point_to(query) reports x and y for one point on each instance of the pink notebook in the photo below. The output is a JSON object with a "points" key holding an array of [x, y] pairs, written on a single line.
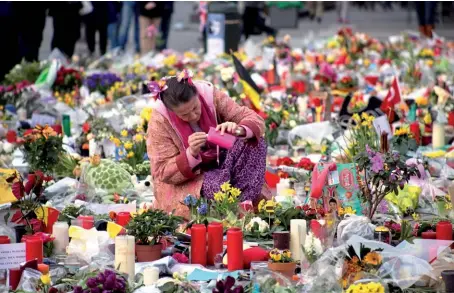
{"points": [[225, 141]]}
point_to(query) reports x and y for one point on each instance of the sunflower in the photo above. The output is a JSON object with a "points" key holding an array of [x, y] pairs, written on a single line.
{"points": [[373, 258]]}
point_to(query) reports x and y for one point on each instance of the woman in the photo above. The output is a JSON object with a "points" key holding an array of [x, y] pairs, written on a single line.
{"points": [[149, 22], [183, 162], [66, 23]]}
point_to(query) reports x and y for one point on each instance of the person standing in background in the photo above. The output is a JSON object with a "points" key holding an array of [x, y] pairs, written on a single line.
{"points": [[10, 42], [426, 17], [149, 21], [97, 21], [253, 21], [32, 15], [165, 24], [113, 20], [129, 14], [342, 10], [315, 10], [66, 23]]}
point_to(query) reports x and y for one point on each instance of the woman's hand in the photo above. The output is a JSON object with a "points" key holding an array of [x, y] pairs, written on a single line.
{"points": [[229, 127], [196, 141]]}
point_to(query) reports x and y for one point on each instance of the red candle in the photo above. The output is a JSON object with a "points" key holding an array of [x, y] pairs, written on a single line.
{"points": [[4, 239], [416, 131], [199, 244], [429, 235], [316, 228], [215, 246], [88, 222], [234, 249], [52, 217], [34, 249], [444, 230], [14, 277], [123, 218]]}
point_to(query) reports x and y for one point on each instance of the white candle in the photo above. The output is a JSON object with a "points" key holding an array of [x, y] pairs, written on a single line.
{"points": [[282, 186], [438, 135], [150, 275], [297, 237], [125, 258], [60, 232]]}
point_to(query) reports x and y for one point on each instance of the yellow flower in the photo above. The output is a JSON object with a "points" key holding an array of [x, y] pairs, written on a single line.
{"points": [[45, 279], [285, 114], [172, 72], [356, 117], [231, 199], [235, 192], [116, 141], [373, 258], [323, 149], [170, 60], [365, 116], [402, 131], [124, 133], [226, 186], [276, 222], [422, 101], [448, 206], [219, 196], [139, 137], [277, 257], [128, 145], [427, 118], [287, 253], [415, 216], [130, 154], [145, 114]]}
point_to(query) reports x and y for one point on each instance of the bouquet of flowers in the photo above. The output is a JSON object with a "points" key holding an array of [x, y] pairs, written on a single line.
{"points": [[357, 103], [97, 128], [12, 93], [257, 229], [42, 148], [225, 201], [101, 82], [66, 86], [312, 248], [362, 134], [347, 83], [24, 71], [367, 261], [132, 152], [121, 89], [103, 281]]}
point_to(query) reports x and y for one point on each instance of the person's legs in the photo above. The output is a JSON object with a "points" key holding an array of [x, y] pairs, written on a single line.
{"points": [[136, 28], [244, 166], [127, 15], [90, 32], [344, 11], [311, 9], [102, 29], [165, 27], [146, 43], [112, 36], [429, 8], [420, 11]]}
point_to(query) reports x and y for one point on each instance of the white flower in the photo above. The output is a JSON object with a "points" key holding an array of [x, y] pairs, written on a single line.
{"points": [[263, 226], [313, 245], [227, 73], [132, 121], [292, 123], [8, 147]]}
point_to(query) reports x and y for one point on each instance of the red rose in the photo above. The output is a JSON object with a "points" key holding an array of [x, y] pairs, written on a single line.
{"points": [[11, 136], [273, 126], [37, 225], [282, 174], [9, 88], [86, 127], [306, 207], [286, 161]]}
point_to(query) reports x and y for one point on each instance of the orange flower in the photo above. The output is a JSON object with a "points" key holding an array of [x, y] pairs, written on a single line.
{"points": [[373, 258], [112, 215], [48, 131], [355, 259]]}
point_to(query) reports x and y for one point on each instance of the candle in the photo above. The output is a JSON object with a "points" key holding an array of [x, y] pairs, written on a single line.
{"points": [[199, 244], [416, 131], [429, 235], [43, 268], [4, 239], [438, 135], [297, 237], [125, 258], [215, 239], [444, 230], [123, 218], [60, 232], [52, 218], [282, 186], [234, 249], [88, 222], [14, 277], [34, 249], [150, 275], [281, 240]]}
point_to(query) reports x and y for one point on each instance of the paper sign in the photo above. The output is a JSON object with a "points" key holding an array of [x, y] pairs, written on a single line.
{"points": [[42, 119], [12, 255], [381, 125], [215, 30], [333, 178]]}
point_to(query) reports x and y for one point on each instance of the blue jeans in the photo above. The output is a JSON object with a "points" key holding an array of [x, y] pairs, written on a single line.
{"points": [[426, 12], [129, 14], [112, 35]]}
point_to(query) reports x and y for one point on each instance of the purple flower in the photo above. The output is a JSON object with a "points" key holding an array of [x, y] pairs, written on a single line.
{"points": [[383, 207], [377, 163], [396, 155], [393, 177], [78, 289], [101, 278], [202, 209], [95, 290], [109, 284], [92, 282], [369, 151]]}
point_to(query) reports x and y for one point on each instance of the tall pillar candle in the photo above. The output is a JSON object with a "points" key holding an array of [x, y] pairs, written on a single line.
{"points": [[438, 135], [150, 275], [444, 230], [14, 277], [215, 239], [60, 232], [199, 244], [125, 259], [297, 237], [234, 249], [34, 249]]}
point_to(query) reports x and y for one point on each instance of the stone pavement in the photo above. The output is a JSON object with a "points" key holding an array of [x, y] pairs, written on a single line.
{"points": [[185, 35]]}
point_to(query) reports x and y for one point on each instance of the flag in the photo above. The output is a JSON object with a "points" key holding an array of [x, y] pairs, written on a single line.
{"points": [[392, 98], [113, 229], [250, 88]]}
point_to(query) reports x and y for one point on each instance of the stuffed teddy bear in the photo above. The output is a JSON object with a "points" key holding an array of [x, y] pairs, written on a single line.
{"points": [[144, 188]]}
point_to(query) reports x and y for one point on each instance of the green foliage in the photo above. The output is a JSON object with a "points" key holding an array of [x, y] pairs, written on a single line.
{"points": [[28, 71], [149, 227]]}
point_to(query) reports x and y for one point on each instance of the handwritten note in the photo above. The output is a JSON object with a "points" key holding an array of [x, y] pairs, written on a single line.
{"points": [[12, 255]]}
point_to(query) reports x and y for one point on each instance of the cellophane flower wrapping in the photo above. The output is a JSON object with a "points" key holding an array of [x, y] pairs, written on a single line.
{"points": [[29, 280], [355, 225]]}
